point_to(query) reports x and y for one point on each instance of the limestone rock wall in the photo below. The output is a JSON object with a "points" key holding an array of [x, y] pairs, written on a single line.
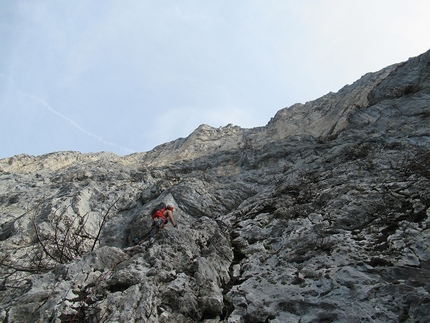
{"points": [[320, 216]]}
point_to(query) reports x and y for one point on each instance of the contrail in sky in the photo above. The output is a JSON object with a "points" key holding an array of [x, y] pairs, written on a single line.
{"points": [[74, 124], [70, 121]]}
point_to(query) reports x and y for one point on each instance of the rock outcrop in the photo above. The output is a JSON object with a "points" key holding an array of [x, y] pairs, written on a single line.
{"points": [[320, 216]]}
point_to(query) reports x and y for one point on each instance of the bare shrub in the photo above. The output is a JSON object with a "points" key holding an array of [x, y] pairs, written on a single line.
{"points": [[414, 160], [357, 151], [59, 239]]}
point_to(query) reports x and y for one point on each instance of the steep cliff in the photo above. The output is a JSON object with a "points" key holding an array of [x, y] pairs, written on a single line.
{"points": [[320, 216]]}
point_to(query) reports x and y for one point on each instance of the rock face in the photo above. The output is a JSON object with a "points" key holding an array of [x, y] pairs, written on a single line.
{"points": [[320, 216]]}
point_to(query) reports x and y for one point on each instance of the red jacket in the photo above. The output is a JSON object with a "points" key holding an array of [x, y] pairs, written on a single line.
{"points": [[159, 214]]}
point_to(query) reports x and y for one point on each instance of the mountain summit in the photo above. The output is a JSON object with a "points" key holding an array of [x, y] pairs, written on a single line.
{"points": [[322, 215]]}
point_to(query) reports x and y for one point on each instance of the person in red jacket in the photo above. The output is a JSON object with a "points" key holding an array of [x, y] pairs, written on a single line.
{"points": [[161, 215]]}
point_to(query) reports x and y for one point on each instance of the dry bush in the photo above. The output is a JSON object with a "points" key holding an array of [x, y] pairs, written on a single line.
{"points": [[59, 239]]}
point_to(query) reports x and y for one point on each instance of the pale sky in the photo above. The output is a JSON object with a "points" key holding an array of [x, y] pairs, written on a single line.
{"points": [[125, 76]]}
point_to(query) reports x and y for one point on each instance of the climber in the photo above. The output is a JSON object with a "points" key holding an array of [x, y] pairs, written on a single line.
{"points": [[161, 215]]}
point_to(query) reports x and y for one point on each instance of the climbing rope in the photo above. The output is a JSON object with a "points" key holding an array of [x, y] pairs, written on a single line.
{"points": [[216, 248]]}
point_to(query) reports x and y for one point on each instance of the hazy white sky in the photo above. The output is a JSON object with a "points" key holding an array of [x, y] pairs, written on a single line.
{"points": [[125, 76]]}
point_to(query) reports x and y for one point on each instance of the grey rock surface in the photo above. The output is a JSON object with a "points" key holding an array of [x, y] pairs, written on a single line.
{"points": [[320, 216]]}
